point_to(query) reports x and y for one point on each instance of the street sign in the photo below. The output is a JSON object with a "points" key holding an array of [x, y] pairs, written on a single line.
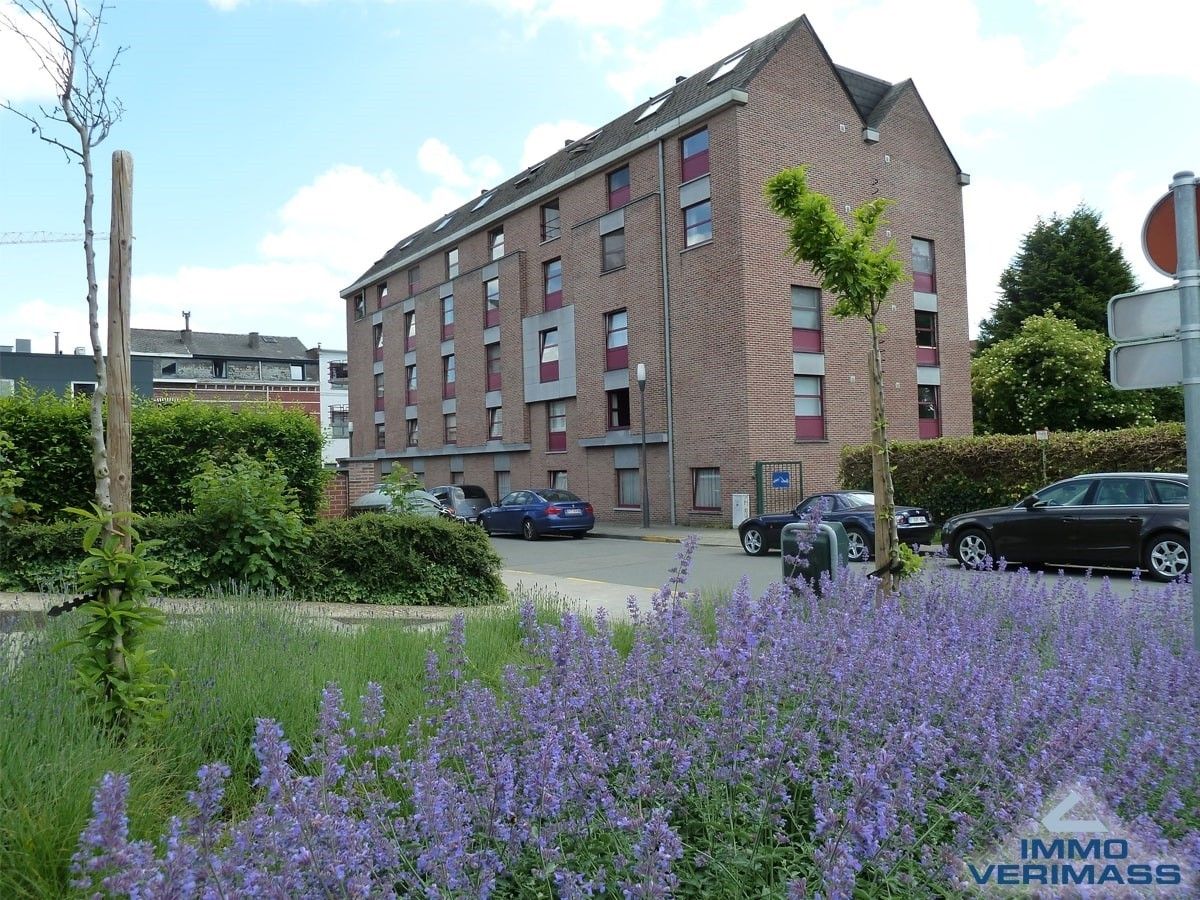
{"points": [[1147, 364], [1158, 235], [1144, 314], [781, 479]]}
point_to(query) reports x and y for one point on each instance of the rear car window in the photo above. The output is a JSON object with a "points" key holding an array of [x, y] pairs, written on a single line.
{"points": [[1171, 492], [474, 492], [556, 496]]}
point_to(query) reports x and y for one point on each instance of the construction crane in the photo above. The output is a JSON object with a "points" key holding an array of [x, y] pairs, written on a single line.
{"points": [[46, 237]]}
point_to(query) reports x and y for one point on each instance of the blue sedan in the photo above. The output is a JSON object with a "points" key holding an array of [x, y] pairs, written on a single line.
{"points": [[532, 514]]}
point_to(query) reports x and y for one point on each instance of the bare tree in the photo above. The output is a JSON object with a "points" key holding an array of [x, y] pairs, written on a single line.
{"points": [[64, 36]]}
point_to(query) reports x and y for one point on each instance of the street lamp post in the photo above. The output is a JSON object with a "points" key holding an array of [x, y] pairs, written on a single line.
{"points": [[641, 380]]}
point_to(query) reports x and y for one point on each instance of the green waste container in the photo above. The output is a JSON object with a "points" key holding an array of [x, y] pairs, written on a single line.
{"points": [[830, 551]]}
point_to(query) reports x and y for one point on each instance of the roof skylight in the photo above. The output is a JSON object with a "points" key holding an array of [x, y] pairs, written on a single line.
{"points": [[442, 224], [409, 241], [654, 105], [529, 173], [728, 65], [583, 143], [483, 201]]}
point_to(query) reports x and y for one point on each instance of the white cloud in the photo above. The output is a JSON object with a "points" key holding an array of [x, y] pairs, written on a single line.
{"points": [[438, 160], [22, 78], [548, 138]]}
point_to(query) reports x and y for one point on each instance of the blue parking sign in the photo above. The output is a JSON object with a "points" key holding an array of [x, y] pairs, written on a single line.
{"points": [[781, 479]]}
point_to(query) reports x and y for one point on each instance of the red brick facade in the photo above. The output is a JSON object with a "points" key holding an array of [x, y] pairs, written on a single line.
{"points": [[732, 361]]}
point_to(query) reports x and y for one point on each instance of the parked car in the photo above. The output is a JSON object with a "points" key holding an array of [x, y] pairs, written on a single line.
{"points": [[535, 513], [468, 500], [1107, 520], [420, 503], [854, 509]]}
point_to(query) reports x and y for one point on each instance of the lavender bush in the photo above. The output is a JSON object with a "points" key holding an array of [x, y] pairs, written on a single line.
{"points": [[804, 746]]}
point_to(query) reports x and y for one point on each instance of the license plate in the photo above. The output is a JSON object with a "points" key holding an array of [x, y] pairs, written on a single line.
{"points": [[574, 512], [916, 520]]}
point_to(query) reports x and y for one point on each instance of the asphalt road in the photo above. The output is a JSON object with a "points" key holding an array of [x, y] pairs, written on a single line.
{"points": [[646, 564]]}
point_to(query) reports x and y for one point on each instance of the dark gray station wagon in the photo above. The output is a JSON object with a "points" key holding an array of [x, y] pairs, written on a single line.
{"points": [[1119, 520]]}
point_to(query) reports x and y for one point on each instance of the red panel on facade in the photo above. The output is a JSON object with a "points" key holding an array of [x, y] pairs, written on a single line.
{"points": [[810, 428], [695, 166], [924, 282], [616, 358], [558, 440], [491, 319], [554, 300], [806, 340], [929, 428], [927, 356], [493, 381], [619, 197], [549, 371]]}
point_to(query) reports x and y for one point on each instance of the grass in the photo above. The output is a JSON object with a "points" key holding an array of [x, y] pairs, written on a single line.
{"points": [[235, 662]]}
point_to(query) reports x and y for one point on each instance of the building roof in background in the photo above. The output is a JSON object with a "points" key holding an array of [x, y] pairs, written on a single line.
{"points": [[163, 342]]}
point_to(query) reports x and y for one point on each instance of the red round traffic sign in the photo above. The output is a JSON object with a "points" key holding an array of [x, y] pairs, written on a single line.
{"points": [[1158, 235]]}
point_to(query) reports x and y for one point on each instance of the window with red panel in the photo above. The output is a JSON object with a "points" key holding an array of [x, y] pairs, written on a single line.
{"points": [[410, 385], [924, 279], [616, 340], [548, 354], [929, 411], [493, 367], [491, 302], [377, 340], [693, 152], [806, 319], [927, 348], [447, 317], [448, 377], [410, 331], [618, 187], [556, 425], [552, 284], [810, 415]]}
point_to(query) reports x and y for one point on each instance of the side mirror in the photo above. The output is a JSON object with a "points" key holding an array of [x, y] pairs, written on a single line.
{"points": [[1032, 502]]}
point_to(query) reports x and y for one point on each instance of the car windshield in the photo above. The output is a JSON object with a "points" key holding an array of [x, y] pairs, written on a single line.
{"points": [[859, 498], [474, 492], [556, 496]]}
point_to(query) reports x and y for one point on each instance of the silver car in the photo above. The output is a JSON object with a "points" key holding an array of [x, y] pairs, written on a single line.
{"points": [[419, 503]]}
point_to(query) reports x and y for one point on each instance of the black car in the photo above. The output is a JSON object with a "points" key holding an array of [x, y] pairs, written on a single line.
{"points": [[854, 509], [468, 500], [1119, 520]]}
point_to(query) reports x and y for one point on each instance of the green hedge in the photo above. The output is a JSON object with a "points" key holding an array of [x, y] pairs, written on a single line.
{"points": [[170, 441], [373, 558], [954, 475]]}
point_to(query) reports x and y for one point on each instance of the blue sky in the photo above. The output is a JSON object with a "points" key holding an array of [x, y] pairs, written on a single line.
{"points": [[281, 146]]}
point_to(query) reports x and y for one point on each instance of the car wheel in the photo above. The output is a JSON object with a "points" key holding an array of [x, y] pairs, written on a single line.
{"points": [[973, 548], [1167, 557], [859, 545], [528, 531], [754, 542]]}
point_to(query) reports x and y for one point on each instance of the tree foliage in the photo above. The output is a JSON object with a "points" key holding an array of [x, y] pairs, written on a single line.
{"points": [[1067, 266], [1051, 375]]}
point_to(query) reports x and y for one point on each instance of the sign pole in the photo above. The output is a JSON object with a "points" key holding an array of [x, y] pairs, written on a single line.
{"points": [[1188, 273]]}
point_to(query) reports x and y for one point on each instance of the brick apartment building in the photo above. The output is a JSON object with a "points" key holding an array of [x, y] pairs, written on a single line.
{"points": [[499, 345]]}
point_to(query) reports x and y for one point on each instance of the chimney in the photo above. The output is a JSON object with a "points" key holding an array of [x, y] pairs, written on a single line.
{"points": [[679, 78], [56, 350], [254, 340], [568, 142], [186, 334], [24, 345]]}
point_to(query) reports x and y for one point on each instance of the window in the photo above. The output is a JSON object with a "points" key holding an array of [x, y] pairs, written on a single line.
{"points": [[1170, 492], [450, 428], [491, 303], [810, 417], [551, 221], [414, 280], [557, 479], [503, 485], [693, 153], [618, 409], [410, 331], [452, 263], [496, 423], [922, 264], [458, 478], [927, 353], [339, 373], [618, 187], [548, 354], [653, 106], [83, 388], [410, 385], [377, 340], [297, 372], [442, 224], [483, 201], [806, 320], [1068, 493], [381, 295], [380, 436], [629, 489], [697, 223], [612, 250], [492, 352], [929, 411], [706, 489], [556, 425], [496, 242], [727, 66], [552, 283], [412, 434], [447, 317], [169, 369], [448, 377], [616, 340], [378, 391], [1121, 492], [339, 422], [218, 368], [360, 305]]}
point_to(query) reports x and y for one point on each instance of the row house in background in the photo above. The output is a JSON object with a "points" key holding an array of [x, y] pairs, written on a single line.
{"points": [[334, 372], [499, 344], [229, 369]]}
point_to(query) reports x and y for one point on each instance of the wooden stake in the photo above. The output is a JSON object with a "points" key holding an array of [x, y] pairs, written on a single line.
{"points": [[120, 271]]}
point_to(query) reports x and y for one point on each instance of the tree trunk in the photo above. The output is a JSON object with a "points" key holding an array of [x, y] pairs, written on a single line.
{"points": [[99, 452], [887, 539]]}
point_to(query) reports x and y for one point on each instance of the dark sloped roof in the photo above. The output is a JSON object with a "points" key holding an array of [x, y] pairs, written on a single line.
{"points": [[684, 96], [208, 343], [865, 90]]}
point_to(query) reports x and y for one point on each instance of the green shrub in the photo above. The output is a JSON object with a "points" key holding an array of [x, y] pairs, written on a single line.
{"points": [[953, 475], [171, 441]]}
